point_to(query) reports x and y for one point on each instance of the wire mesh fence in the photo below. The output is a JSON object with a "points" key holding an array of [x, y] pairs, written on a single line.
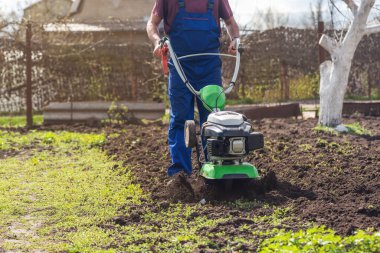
{"points": [[277, 65]]}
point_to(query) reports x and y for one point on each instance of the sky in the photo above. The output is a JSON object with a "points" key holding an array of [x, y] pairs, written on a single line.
{"points": [[244, 10], [294, 9]]}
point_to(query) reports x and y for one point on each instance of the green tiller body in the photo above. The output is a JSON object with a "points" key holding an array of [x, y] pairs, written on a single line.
{"points": [[228, 137]]}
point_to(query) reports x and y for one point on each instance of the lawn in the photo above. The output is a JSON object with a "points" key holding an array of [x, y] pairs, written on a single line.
{"points": [[19, 121]]}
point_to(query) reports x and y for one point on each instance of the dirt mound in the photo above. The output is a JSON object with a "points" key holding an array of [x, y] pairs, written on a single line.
{"points": [[332, 180]]}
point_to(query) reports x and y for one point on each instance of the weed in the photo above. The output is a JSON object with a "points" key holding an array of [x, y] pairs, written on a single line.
{"points": [[321, 143], [333, 145], [354, 128], [305, 147], [166, 118], [325, 129], [279, 216], [320, 239], [358, 129]]}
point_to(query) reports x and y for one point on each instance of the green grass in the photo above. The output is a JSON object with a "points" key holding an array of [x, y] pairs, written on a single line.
{"points": [[175, 229], [19, 121], [325, 129], [357, 129], [56, 195], [374, 96], [320, 239], [354, 128]]}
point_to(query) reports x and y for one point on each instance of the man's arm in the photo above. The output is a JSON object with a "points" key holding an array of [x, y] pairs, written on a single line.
{"points": [[233, 32], [153, 33]]}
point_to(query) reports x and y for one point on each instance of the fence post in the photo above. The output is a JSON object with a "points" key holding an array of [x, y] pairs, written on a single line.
{"points": [[133, 87], [378, 81], [321, 51], [369, 80], [242, 83], [28, 58], [284, 81]]}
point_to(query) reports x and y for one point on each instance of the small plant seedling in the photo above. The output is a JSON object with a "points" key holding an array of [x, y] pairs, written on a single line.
{"points": [[322, 143], [358, 129], [325, 129], [354, 128], [305, 147]]}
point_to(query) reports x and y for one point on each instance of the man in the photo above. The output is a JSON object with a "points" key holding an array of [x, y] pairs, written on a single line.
{"points": [[193, 26]]}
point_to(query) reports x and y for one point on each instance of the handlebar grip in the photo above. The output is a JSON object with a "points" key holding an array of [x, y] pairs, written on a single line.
{"points": [[164, 59]]}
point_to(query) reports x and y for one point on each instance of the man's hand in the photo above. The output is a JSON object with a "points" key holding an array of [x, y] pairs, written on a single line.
{"points": [[233, 32], [157, 52], [232, 47]]}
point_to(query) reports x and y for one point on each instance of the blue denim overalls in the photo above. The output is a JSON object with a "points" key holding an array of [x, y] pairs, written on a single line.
{"points": [[190, 33]]}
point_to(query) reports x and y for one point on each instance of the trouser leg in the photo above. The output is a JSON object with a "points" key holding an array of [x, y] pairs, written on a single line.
{"points": [[181, 109]]}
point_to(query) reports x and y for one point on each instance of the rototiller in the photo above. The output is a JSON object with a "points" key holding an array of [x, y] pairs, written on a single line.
{"points": [[228, 136]]}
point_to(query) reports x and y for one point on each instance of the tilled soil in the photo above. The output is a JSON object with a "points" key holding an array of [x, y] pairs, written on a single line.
{"points": [[327, 179]]}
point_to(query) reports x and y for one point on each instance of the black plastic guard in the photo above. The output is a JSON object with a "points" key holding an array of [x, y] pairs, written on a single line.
{"points": [[255, 141]]}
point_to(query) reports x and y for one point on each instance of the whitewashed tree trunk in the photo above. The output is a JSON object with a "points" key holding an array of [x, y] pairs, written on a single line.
{"points": [[335, 73], [334, 78]]}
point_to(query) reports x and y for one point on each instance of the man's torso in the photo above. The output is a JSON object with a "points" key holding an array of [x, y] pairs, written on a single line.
{"points": [[168, 9]]}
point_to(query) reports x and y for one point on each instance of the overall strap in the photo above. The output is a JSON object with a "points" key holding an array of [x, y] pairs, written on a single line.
{"points": [[210, 5], [181, 4]]}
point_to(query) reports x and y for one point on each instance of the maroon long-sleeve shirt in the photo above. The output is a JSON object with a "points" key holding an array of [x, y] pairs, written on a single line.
{"points": [[167, 10]]}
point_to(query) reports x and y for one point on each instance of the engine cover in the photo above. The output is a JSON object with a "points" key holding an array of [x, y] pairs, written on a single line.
{"points": [[226, 118], [229, 136]]}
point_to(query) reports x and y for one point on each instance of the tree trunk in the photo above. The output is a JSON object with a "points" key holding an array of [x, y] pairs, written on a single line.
{"points": [[334, 79], [333, 84], [335, 73]]}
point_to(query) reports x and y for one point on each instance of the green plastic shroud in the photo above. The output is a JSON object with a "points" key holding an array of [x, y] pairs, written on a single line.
{"points": [[213, 97], [244, 170]]}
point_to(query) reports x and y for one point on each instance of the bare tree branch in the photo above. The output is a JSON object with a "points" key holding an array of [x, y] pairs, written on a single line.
{"points": [[372, 29], [316, 15], [357, 28], [352, 5], [328, 43], [333, 5]]}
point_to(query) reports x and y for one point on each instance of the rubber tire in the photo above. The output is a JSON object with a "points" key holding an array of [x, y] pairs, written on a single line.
{"points": [[190, 134]]}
